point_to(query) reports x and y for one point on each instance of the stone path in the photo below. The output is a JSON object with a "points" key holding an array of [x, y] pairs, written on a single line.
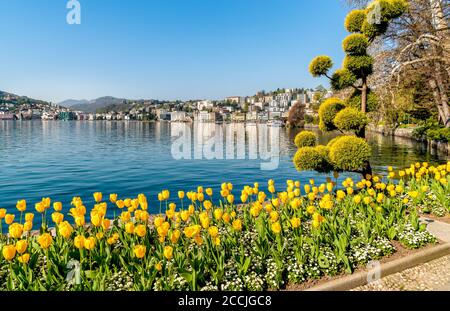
{"points": [[431, 276]]}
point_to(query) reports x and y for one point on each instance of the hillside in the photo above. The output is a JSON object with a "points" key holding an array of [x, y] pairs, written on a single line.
{"points": [[92, 105]]}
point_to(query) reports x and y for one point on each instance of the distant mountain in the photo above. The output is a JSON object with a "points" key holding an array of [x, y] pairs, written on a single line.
{"points": [[92, 105], [72, 102]]}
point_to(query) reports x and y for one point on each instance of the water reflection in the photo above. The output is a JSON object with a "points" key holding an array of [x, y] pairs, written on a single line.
{"points": [[63, 159]]}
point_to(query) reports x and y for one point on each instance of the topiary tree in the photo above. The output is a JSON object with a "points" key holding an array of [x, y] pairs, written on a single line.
{"points": [[305, 139], [349, 153], [365, 26]]}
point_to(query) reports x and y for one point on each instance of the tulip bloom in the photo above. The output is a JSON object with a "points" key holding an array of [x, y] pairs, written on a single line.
{"points": [[9, 252], [98, 196]]}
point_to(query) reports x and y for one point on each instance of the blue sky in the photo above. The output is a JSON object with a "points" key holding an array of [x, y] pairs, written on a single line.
{"points": [[165, 49]]}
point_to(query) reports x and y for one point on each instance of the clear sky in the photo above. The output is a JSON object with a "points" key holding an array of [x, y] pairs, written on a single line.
{"points": [[165, 49]]}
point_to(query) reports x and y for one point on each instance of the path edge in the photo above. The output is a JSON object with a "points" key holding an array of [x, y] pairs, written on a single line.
{"points": [[360, 278]]}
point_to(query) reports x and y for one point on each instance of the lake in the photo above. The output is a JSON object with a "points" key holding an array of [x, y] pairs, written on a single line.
{"points": [[65, 159]]}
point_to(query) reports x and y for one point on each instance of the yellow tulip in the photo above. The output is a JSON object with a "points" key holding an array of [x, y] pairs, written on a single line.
{"points": [[79, 242], [57, 217], [158, 266], [213, 231], [310, 209], [209, 191], [89, 243], [106, 223], [120, 204], [218, 214], [237, 225], [140, 230], [158, 221], [230, 198], [357, 199], [25, 258], [125, 217], [65, 229], [129, 228], [98, 196], [40, 207], [271, 189], [226, 217], [2, 213], [175, 235], [168, 252], [207, 204], [244, 198], [21, 246], [27, 226], [9, 252], [45, 240], [113, 198], [57, 206], [29, 217], [276, 227], [295, 222], [16, 230], [274, 216], [21, 205]]}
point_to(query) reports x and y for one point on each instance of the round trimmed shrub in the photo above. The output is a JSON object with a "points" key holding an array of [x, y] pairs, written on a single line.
{"points": [[355, 44], [359, 64], [355, 20], [355, 101], [397, 8], [350, 119], [312, 159], [349, 153], [305, 139], [331, 142], [341, 79], [327, 113], [371, 30], [320, 65]]}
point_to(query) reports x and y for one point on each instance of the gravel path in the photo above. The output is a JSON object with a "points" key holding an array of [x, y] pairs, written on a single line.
{"points": [[431, 276]]}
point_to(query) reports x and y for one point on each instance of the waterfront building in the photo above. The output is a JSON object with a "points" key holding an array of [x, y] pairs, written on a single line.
{"points": [[178, 116], [66, 116]]}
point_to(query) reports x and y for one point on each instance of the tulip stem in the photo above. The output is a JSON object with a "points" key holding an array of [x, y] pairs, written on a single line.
{"points": [[1, 228]]}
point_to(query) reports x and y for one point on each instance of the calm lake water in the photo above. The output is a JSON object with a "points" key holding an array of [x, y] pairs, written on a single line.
{"points": [[65, 159]]}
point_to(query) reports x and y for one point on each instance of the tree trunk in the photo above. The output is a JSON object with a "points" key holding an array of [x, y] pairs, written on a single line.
{"points": [[443, 95], [364, 95]]}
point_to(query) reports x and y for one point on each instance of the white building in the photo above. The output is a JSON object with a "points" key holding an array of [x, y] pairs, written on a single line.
{"points": [[178, 116]]}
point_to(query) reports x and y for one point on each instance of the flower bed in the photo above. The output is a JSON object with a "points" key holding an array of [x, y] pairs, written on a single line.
{"points": [[271, 240]]}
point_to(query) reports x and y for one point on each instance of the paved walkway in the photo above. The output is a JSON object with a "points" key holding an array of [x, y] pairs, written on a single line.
{"points": [[431, 276]]}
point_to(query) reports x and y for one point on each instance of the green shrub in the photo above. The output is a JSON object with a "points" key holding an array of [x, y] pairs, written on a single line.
{"points": [[327, 113], [331, 142], [355, 44], [312, 159], [305, 139], [373, 30], [355, 101], [350, 119], [397, 8], [359, 64], [342, 78], [349, 153], [441, 134], [320, 65], [355, 20]]}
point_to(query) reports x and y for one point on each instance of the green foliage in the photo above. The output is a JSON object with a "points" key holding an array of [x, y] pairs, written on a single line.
{"points": [[433, 131], [341, 79], [359, 65], [320, 65], [355, 20], [442, 134], [305, 139], [349, 153], [397, 8], [372, 30], [312, 159], [355, 101], [355, 44], [350, 119], [327, 113]]}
